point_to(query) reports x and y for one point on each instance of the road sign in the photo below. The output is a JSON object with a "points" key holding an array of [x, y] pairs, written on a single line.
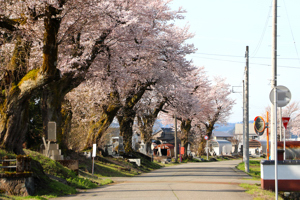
{"points": [[285, 121], [94, 150], [205, 137], [283, 96], [259, 125]]}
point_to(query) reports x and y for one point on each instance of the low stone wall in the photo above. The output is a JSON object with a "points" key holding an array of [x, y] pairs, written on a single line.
{"points": [[18, 186]]}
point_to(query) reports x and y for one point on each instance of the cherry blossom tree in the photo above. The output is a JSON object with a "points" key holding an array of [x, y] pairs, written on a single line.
{"points": [[188, 103], [291, 110], [156, 55], [20, 74], [219, 109]]}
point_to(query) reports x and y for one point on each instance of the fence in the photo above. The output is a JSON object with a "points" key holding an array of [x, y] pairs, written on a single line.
{"points": [[23, 164]]}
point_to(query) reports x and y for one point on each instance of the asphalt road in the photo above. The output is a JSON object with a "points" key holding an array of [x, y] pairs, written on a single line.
{"points": [[209, 181]]}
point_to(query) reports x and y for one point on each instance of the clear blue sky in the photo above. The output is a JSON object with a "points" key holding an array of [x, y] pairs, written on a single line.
{"points": [[223, 29]]}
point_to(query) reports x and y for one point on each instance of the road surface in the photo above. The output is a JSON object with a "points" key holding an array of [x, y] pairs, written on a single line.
{"points": [[207, 181]]}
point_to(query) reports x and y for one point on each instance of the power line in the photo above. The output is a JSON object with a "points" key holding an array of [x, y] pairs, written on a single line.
{"points": [[263, 33], [243, 62], [291, 31], [225, 55]]}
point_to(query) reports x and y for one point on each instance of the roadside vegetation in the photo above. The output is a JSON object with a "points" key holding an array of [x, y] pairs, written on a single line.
{"points": [[256, 190], [254, 168], [55, 180]]}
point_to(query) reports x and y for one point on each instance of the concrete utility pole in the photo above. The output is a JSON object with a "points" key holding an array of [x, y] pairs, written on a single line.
{"points": [[274, 105], [274, 79], [246, 113], [176, 143]]}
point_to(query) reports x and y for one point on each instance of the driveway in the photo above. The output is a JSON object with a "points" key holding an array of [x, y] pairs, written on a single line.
{"points": [[211, 180]]}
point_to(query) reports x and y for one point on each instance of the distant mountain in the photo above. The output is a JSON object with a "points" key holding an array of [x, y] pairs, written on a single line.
{"points": [[225, 128]]}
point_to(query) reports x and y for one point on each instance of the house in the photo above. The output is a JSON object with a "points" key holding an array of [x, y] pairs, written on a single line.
{"points": [[164, 150], [220, 135], [219, 147], [257, 147], [238, 133], [165, 135]]}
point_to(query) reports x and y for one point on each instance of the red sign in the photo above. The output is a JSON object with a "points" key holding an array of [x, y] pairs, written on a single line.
{"points": [[285, 121], [182, 150], [206, 137]]}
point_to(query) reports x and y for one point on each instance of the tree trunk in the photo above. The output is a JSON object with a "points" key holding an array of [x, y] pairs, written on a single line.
{"points": [[126, 123], [66, 114], [209, 129], [107, 117], [14, 104], [14, 122], [201, 148], [51, 109], [185, 129], [146, 122]]}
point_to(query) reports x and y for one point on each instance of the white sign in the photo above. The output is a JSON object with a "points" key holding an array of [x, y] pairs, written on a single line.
{"points": [[94, 150], [206, 137], [283, 96]]}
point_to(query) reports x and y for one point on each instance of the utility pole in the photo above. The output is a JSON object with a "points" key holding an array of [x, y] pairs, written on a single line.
{"points": [[244, 121], [176, 143], [274, 105], [246, 112], [243, 92], [274, 80]]}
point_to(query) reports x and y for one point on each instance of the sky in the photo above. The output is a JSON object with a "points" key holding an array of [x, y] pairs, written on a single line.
{"points": [[223, 29]]}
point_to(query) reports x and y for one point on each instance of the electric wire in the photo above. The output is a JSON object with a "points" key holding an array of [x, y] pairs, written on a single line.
{"points": [[263, 33], [291, 30], [224, 55], [234, 61]]}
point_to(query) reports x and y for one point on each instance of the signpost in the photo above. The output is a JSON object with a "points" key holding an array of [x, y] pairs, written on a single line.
{"points": [[285, 121], [206, 138], [94, 155], [280, 96]]}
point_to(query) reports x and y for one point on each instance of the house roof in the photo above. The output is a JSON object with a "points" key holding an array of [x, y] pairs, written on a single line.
{"points": [[164, 134], [221, 134]]}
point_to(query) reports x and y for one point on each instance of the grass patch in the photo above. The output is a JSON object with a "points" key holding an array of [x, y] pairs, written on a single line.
{"points": [[258, 193], [254, 168], [256, 190]]}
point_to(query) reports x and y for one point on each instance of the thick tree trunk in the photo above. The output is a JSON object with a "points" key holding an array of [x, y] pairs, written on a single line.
{"points": [[201, 148], [51, 109], [14, 122], [146, 122], [107, 116], [127, 114], [126, 123], [66, 124], [209, 129], [185, 129], [14, 104]]}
